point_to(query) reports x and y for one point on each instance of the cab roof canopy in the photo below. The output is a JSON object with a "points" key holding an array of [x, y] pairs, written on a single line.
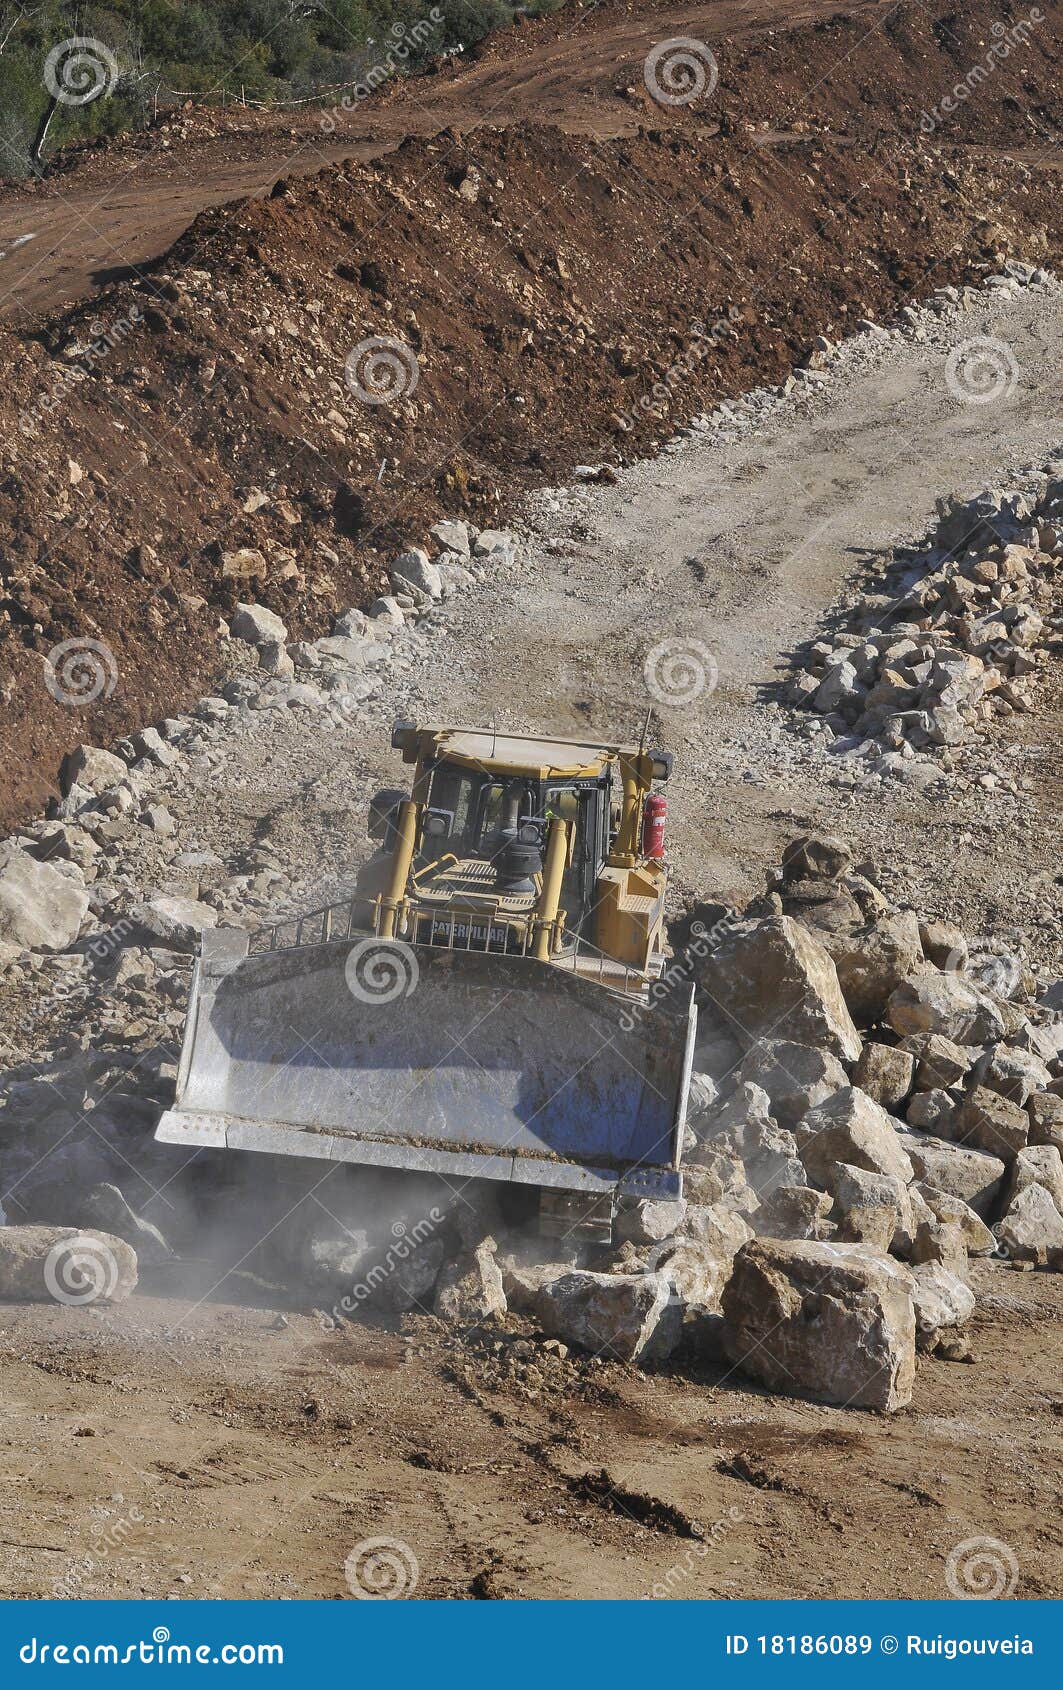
{"points": [[506, 753]]}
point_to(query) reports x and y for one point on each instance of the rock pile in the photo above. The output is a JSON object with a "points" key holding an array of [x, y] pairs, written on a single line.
{"points": [[953, 642], [116, 888], [875, 1101], [874, 1104]]}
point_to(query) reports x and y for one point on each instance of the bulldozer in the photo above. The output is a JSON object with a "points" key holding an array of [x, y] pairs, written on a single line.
{"points": [[492, 1002]]}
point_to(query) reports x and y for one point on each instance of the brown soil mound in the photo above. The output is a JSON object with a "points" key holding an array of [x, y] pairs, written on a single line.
{"points": [[210, 447]]}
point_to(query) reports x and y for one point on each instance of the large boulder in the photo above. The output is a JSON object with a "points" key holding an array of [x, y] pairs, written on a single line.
{"points": [[796, 1211], [648, 1220], [940, 1062], [1038, 1164], [1032, 1229], [629, 1317], [699, 1263], [258, 625], [451, 536], [414, 569], [772, 979], [105, 1209], [885, 1073], [523, 1282], [959, 1170], [1045, 1109], [954, 1212], [92, 768], [833, 1321], [874, 962], [470, 1289], [992, 1123], [61, 1264], [718, 1227], [1016, 1074], [796, 1077], [851, 1128], [41, 909], [871, 1208], [947, 1004], [696, 1273], [941, 1301], [175, 923], [713, 1177], [816, 856], [743, 1126]]}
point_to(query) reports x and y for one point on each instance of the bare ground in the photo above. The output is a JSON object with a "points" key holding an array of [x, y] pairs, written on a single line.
{"points": [[154, 1453], [184, 1444]]}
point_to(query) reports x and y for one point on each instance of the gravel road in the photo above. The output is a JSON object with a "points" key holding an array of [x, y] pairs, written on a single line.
{"points": [[727, 551]]}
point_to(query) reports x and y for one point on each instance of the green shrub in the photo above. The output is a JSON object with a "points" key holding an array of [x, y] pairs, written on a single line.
{"points": [[263, 50]]}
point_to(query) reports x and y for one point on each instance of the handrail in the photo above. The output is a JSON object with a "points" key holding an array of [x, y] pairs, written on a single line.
{"points": [[333, 923]]}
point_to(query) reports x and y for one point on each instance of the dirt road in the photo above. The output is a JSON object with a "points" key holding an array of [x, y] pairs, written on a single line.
{"points": [[115, 212]]}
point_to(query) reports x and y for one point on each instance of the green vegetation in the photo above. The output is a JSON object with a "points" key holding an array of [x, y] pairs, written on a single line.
{"points": [[160, 51]]}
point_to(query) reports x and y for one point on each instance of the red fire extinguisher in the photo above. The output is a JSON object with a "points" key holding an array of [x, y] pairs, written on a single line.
{"points": [[653, 813]]}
